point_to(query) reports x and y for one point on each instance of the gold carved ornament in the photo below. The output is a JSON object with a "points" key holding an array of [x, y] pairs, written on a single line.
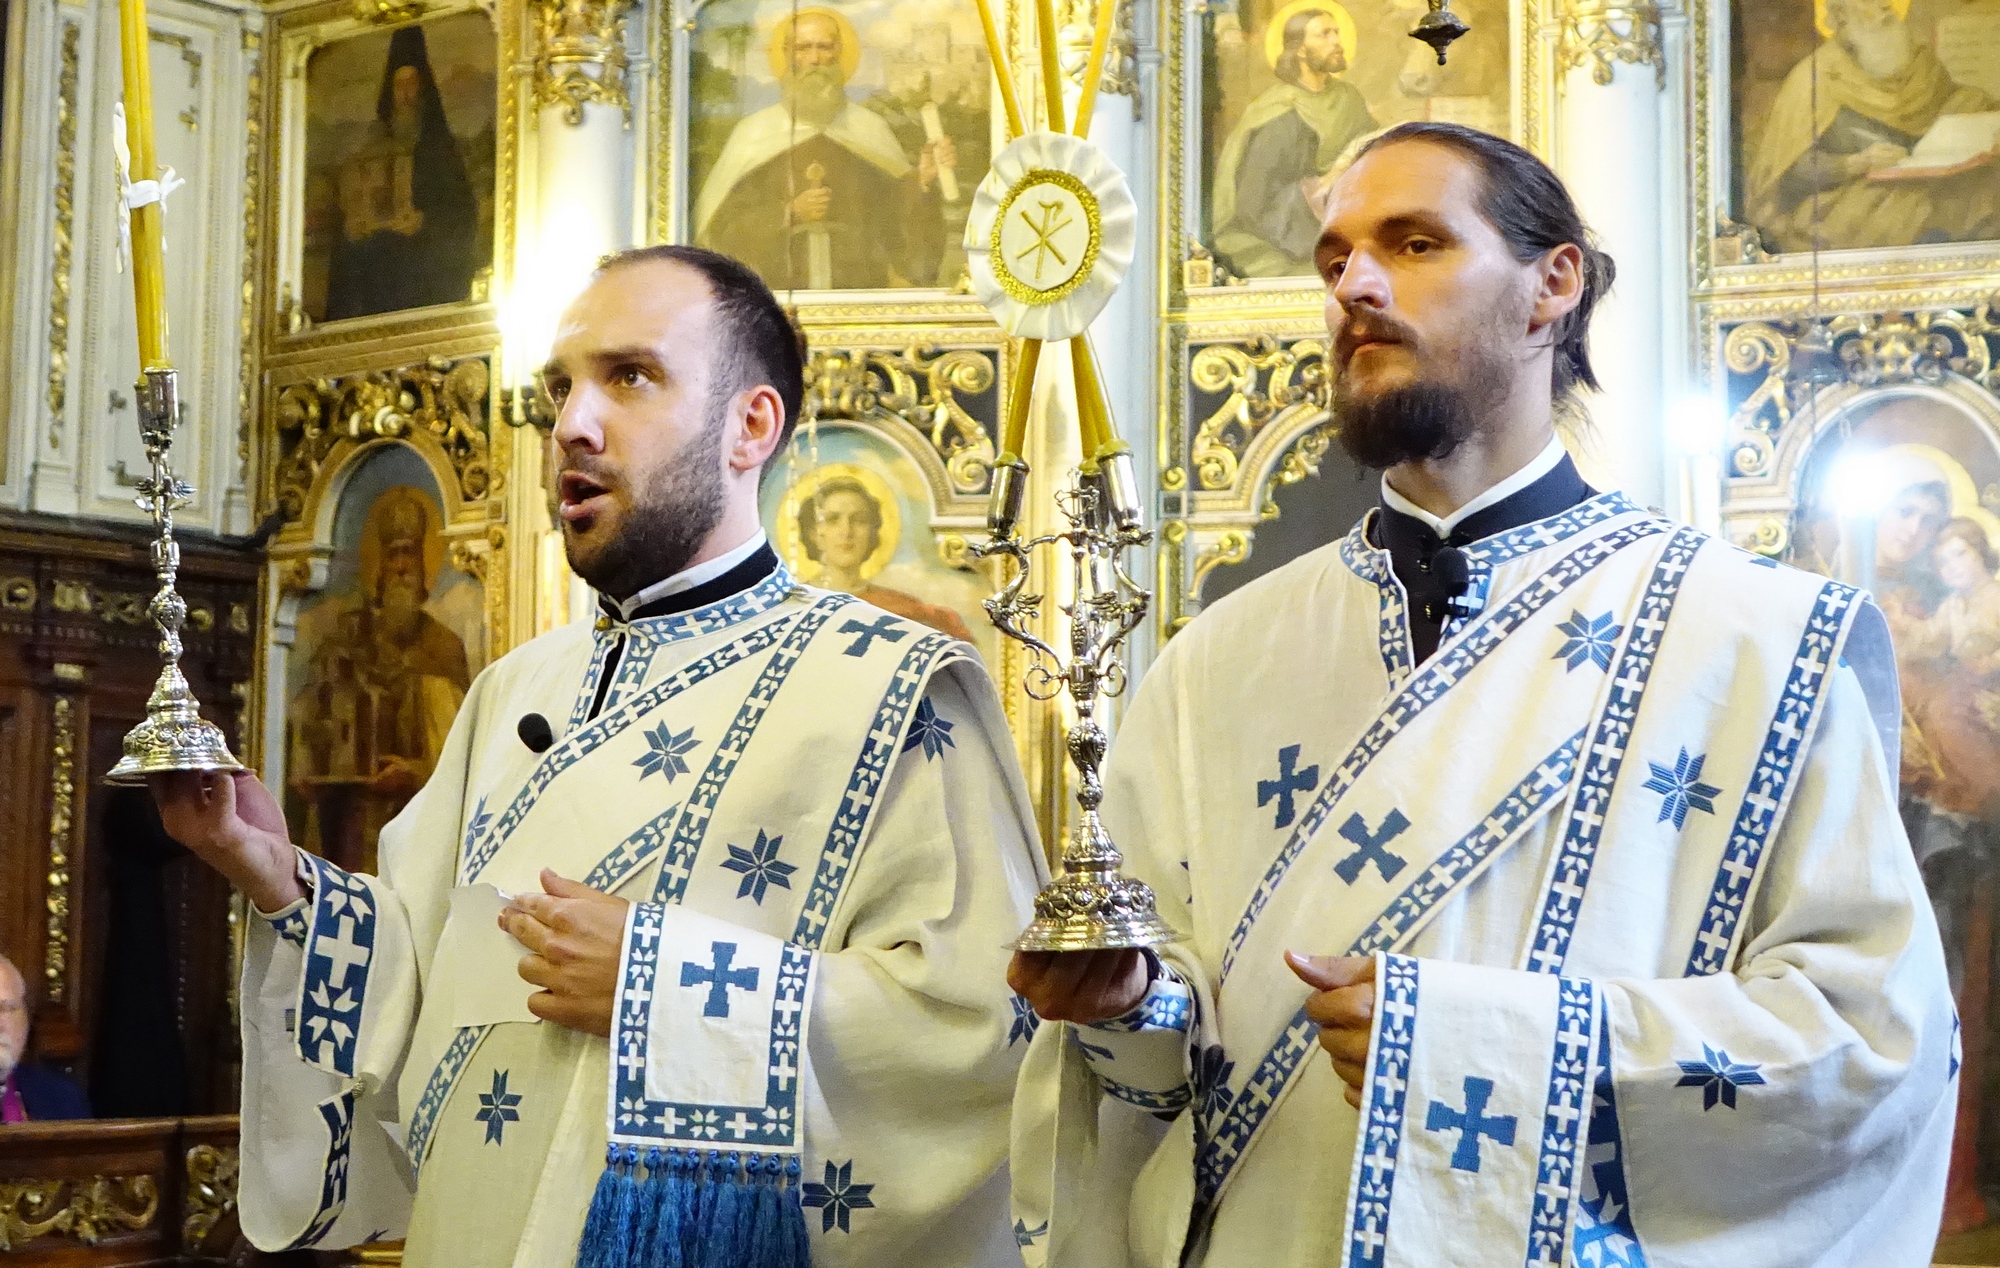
{"points": [[1077, 20], [30, 1209], [66, 83], [1602, 32], [1260, 379], [211, 1192], [442, 399], [62, 808], [573, 39], [919, 386], [1791, 360]]}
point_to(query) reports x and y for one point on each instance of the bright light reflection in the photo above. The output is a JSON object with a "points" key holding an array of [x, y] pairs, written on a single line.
{"points": [[1696, 426], [1860, 486]]}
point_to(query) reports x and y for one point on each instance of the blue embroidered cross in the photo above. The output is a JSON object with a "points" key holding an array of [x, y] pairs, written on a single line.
{"points": [[760, 867], [928, 731], [1471, 1124], [1587, 639], [837, 1196], [1718, 1077], [1289, 781], [666, 752], [884, 628], [1684, 790], [496, 1109], [1372, 847], [718, 979]]}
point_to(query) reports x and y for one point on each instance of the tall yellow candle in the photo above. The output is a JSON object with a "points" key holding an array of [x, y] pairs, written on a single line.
{"points": [[1001, 71], [1045, 38], [149, 272], [1093, 412], [1093, 70], [1014, 435]]}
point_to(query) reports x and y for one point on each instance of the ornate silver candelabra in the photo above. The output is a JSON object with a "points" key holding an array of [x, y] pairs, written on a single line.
{"points": [[173, 735], [1091, 905]]}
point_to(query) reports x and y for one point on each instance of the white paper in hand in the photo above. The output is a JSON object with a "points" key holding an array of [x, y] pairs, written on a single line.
{"points": [[478, 961]]}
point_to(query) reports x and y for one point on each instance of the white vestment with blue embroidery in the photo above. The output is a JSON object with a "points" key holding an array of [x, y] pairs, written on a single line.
{"points": [[815, 809], [1657, 981]]}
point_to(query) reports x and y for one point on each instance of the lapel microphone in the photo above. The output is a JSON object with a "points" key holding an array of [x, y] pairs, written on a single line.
{"points": [[1454, 575], [536, 733]]}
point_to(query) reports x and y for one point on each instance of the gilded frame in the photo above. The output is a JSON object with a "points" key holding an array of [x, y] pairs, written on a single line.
{"points": [[293, 34], [1729, 264]]}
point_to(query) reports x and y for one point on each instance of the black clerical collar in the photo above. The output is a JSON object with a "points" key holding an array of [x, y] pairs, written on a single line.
{"points": [[1413, 545], [760, 564]]}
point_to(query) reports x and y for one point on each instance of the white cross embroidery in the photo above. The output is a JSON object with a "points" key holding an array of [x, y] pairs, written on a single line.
{"points": [[633, 1061], [342, 951], [784, 1071], [1715, 941], [739, 1126]]}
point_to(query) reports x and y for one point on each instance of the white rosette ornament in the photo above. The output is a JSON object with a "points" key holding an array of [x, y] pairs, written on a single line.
{"points": [[1050, 235]]}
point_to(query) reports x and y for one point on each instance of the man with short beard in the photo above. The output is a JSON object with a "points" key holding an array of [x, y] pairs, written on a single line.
{"points": [[1536, 862], [770, 1028], [1287, 139], [1857, 106], [815, 191]]}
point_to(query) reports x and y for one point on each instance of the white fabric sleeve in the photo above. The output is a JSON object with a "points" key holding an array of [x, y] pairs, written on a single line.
{"points": [[1141, 1057], [327, 1024]]}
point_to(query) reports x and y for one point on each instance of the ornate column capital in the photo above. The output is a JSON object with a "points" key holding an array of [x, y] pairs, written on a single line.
{"points": [[1601, 32], [579, 55]]}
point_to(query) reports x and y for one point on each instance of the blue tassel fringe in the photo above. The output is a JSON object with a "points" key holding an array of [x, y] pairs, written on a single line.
{"points": [[695, 1208]]}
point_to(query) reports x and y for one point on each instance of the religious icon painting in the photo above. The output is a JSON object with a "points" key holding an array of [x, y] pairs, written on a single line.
{"points": [[1901, 495], [1865, 123], [836, 146], [848, 511], [382, 658], [399, 146], [1289, 86]]}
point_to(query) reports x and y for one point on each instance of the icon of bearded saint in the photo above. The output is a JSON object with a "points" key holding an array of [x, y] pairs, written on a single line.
{"points": [[815, 192], [409, 218]]}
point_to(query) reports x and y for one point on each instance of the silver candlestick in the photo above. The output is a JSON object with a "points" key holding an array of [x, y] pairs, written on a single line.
{"points": [[173, 736], [1091, 905]]}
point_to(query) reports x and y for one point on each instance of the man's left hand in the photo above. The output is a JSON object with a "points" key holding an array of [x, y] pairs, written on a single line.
{"points": [[937, 154], [1342, 1005], [574, 935]]}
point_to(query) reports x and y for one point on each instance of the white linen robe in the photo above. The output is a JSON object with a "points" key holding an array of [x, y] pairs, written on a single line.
{"points": [[1668, 991], [399, 1106]]}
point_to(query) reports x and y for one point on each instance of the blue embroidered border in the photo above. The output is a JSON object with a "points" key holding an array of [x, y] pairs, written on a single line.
{"points": [[678, 864], [632, 853], [437, 1090], [757, 600], [1393, 631], [1169, 1102], [1220, 1144], [1425, 688], [777, 1121], [1568, 1107], [1605, 1236], [1368, 1235], [1169, 1005], [338, 1114], [878, 750], [1553, 531], [586, 695], [291, 926], [579, 743], [1770, 785], [330, 1003], [1629, 676]]}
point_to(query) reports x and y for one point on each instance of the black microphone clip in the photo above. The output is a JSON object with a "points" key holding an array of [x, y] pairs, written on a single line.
{"points": [[535, 732]]}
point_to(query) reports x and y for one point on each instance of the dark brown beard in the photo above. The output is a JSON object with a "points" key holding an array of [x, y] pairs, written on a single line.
{"points": [[669, 521]]}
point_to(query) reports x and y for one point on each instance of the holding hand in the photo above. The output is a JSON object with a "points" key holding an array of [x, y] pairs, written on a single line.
{"points": [[1343, 1007], [574, 935], [1080, 986], [232, 823]]}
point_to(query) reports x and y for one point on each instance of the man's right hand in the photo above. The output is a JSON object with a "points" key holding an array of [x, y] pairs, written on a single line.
{"points": [[234, 825], [1080, 986], [812, 205], [1876, 157]]}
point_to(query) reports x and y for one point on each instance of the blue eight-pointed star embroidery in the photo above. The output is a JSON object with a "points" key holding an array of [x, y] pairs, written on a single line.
{"points": [[666, 752], [838, 1196], [1718, 1077], [1684, 790], [1212, 1068], [496, 1109], [929, 731], [760, 867], [1587, 639], [1025, 1021]]}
